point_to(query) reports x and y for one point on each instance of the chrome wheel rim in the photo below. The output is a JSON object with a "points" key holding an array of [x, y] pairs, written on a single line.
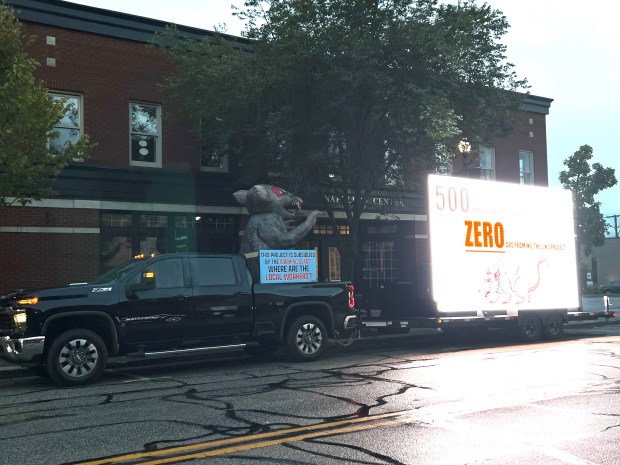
{"points": [[309, 338], [78, 358]]}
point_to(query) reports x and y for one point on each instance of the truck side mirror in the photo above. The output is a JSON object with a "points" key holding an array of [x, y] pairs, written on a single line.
{"points": [[147, 282]]}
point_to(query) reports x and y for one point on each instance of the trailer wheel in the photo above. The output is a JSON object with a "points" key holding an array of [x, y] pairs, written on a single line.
{"points": [[76, 357], [306, 338], [553, 327], [530, 328]]}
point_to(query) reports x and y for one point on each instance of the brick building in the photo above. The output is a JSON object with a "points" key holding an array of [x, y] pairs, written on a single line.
{"points": [[145, 186]]}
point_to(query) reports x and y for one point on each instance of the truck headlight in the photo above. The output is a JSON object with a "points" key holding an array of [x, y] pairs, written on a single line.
{"points": [[20, 320]]}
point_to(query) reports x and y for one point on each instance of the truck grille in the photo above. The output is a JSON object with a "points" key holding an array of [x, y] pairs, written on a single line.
{"points": [[6, 323]]}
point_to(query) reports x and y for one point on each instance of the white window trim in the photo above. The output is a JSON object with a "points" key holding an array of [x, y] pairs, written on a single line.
{"points": [[531, 172], [491, 150], [158, 146]]}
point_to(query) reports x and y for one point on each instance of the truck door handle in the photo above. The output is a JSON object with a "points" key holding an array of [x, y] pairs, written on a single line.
{"points": [[181, 296], [223, 308]]}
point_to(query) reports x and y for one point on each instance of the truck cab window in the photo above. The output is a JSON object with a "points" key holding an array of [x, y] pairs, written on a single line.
{"points": [[168, 273], [216, 271]]}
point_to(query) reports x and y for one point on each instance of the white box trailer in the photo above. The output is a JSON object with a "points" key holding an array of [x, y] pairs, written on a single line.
{"points": [[502, 254]]}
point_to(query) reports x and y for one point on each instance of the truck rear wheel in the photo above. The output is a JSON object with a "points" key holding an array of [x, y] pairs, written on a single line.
{"points": [[306, 338], [530, 327], [76, 357], [553, 326]]}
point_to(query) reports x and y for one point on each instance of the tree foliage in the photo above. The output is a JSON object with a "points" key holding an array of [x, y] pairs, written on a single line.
{"points": [[348, 97], [586, 180], [27, 114]]}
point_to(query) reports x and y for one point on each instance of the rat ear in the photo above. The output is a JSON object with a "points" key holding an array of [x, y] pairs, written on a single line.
{"points": [[241, 197]]}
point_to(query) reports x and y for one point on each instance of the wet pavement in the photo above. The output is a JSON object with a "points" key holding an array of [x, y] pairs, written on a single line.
{"points": [[589, 303]]}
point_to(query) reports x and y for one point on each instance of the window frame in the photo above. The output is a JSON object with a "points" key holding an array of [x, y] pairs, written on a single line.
{"points": [[485, 170], [80, 127], [530, 173], [157, 163]]}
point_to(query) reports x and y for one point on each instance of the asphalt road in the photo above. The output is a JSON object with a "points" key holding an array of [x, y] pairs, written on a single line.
{"points": [[388, 400]]}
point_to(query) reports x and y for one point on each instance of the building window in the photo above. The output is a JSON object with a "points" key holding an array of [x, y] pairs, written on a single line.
{"points": [[335, 266], [526, 167], [69, 127], [487, 163], [323, 229], [118, 220], [153, 221], [185, 233], [381, 263], [127, 234], [220, 223], [145, 134]]}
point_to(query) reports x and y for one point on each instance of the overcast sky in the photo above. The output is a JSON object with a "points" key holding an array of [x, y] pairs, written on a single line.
{"points": [[568, 51]]}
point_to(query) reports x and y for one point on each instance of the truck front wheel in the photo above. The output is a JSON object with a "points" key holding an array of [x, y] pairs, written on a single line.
{"points": [[306, 338], [76, 357]]}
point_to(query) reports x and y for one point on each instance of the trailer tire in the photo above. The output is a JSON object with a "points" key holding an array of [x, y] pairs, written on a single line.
{"points": [[553, 327], [530, 328], [76, 357], [306, 338]]}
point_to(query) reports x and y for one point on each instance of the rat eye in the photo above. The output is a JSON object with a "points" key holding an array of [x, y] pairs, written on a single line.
{"points": [[278, 192]]}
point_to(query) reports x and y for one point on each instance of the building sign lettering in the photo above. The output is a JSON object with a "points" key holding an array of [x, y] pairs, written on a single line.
{"points": [[375, 201]]}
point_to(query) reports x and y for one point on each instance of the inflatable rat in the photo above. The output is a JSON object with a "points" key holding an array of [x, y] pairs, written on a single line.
{"points": [[269, 211]]}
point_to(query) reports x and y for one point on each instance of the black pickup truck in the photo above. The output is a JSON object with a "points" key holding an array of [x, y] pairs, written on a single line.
{"points": [[168, 305]]}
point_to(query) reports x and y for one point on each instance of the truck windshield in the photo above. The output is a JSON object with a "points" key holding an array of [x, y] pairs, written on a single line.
{"points": [[117, 272]]}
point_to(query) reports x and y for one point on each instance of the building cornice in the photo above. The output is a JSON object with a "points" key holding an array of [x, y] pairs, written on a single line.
{"points": [[99, 21], [536, 104]]}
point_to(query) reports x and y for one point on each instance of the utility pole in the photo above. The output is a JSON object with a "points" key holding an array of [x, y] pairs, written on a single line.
{"points": [[615, 225]]}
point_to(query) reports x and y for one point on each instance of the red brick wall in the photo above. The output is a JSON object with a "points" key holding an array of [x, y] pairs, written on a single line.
{"points": [[35, 260], [49, 217], [507, 150], [110, 73], [41, 259]]}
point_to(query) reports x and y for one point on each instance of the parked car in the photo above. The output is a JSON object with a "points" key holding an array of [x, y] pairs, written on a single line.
{"points": [[613, 287]]}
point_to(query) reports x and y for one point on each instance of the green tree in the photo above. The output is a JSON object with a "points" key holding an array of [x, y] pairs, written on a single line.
{"points": [[27, 113], [586, 180], [348, 98]]}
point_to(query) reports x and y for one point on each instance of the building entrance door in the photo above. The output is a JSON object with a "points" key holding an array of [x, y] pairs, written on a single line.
{"points": [[328, 260]]}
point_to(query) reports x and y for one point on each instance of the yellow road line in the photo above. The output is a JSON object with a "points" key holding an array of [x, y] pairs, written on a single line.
{"points": [[275, 442], [241, 439]]}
